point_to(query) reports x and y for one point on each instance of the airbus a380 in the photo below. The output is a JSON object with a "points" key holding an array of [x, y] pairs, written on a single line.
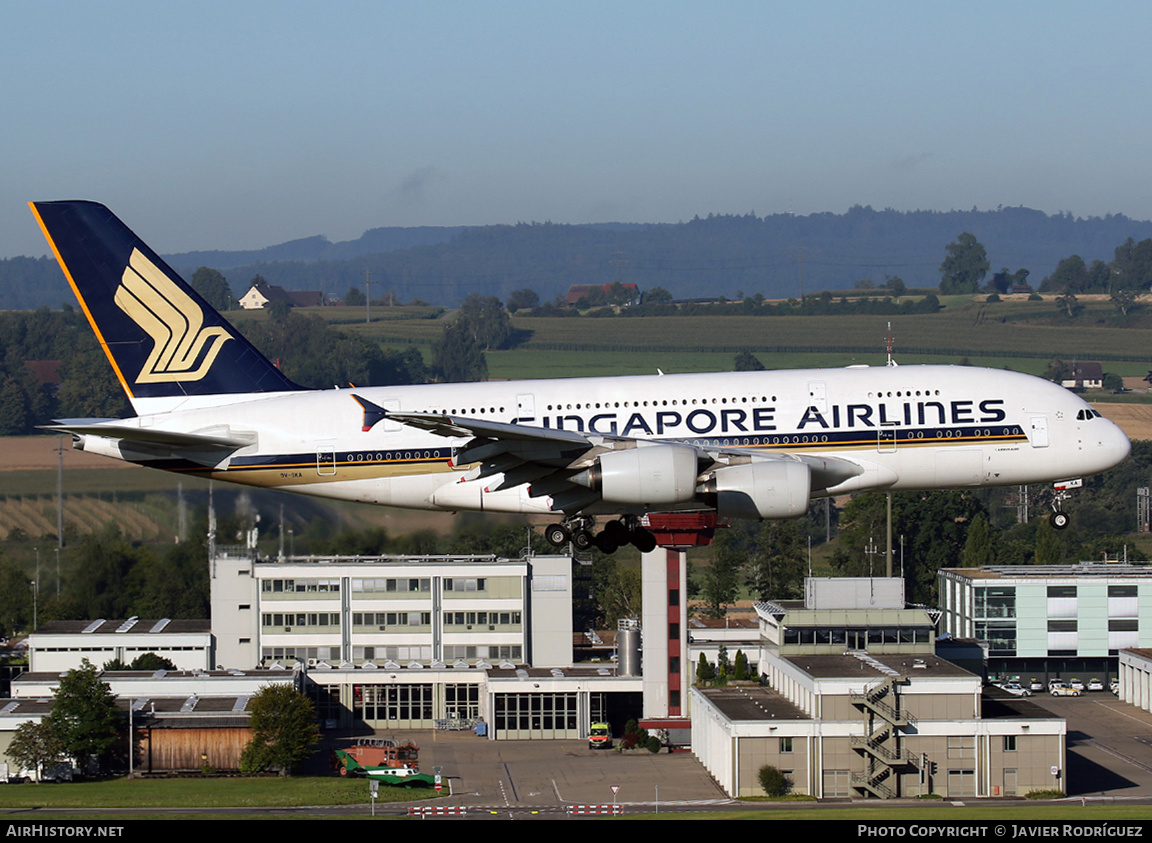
{"points": [[751, 445]]}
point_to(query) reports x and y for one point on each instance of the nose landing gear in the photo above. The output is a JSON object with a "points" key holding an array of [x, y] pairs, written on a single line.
{"points": [[1059, 519]]}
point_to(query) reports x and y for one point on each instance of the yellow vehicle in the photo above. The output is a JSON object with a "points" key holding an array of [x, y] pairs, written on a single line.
{"points": [[600, 736]]}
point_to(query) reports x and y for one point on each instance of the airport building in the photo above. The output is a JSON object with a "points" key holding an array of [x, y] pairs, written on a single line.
{"points": [[857, 705], [420, 642], [57, 646], [180, 719], [1050, 621]]}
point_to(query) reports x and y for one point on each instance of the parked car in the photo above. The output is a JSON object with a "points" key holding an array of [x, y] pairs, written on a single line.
{"points": [[1114, 686], [1035, 685], [1076, 683], [1016, 689], [1095, 684], [1062, 690]]}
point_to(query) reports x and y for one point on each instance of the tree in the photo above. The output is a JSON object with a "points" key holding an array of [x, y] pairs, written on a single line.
{"points": [[964, 267], [1058, 371], [720, 580], [1124, 300], [978, 546], [213, 287], [1132, 267], [1069, 304], [354, 298], [1069, 276], [523, 300], [704, 671], [15, 598], [84, 716], [486, 320], [284, 732], [457, 356], [776, 564], [740, 666], [1049, 547], [935, 530], [33, 746], [151, 661]]}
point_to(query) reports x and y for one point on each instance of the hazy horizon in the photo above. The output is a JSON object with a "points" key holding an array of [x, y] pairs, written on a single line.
{"points": [[219, 126]]}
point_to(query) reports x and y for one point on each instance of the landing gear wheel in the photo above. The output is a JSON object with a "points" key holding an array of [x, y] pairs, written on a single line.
{"points": [[582, 539], [557, 535], [1059, 520], [617, 531], [606, 542], [644, 541]]}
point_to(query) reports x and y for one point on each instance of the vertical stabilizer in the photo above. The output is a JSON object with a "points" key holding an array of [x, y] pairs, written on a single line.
{"points": [[161, 337]]}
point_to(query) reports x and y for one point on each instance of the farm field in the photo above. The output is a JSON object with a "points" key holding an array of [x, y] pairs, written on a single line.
{"points": [[1021, 335]]}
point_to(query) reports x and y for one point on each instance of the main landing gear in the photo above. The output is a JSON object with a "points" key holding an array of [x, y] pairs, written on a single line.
{"points": [[578, 530]]}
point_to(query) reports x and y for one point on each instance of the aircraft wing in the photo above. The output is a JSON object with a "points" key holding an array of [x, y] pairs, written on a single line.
{"points": [[578, 469]]}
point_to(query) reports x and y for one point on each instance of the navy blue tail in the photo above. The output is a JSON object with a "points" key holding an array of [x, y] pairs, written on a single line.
{"points": [[161, 337]]}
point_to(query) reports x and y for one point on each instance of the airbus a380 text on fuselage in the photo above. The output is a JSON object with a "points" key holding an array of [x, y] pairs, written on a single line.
{"points": [[754, 445]]}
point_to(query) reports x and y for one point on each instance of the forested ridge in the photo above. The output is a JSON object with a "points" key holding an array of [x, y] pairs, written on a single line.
{"points": [[778, 256]]}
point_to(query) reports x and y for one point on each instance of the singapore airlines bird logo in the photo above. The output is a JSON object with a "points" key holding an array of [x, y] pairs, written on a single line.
{"points": [[183, 349]]}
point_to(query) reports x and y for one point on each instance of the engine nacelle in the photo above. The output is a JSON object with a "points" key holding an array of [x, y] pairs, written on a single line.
{"points": [[648, 474], [762, 491]]}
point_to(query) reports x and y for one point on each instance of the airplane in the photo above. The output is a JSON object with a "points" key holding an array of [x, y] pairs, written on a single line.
{"points": [[745, 445]]}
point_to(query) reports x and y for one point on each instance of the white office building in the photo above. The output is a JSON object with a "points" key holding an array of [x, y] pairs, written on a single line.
{"points": [[1050, 621]]}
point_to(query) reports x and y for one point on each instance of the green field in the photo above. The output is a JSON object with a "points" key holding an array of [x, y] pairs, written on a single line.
{"points": [[1025, 336]]}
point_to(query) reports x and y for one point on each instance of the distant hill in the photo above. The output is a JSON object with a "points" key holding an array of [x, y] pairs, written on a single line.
{"points": [[778, 255]]}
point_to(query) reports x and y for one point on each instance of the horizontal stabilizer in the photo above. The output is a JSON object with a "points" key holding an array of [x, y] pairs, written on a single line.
{"points": [[152, 436]]}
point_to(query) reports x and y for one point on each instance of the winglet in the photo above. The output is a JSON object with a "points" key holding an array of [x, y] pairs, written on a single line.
{"points": [[372, 412]]}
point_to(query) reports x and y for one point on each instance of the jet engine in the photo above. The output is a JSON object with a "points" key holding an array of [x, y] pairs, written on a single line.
{"points": [[761, 491], [648, 474]]}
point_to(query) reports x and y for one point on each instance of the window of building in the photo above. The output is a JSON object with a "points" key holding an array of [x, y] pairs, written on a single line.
{"points": [[1009, 743], [785, 745]]}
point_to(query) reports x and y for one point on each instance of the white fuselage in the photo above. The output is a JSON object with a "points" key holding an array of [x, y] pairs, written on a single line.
{"points": [[907, 427]]}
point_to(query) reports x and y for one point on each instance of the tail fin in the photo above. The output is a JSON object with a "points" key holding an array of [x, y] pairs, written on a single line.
{"points": [[161, 337]]}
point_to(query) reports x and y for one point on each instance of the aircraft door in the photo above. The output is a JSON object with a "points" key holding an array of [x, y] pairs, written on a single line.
{"points": [[818, 396], [886, 438], [526, 408], [325, 459], [1038, 434]]}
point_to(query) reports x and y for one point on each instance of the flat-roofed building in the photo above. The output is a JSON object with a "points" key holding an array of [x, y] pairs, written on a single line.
{"points": [[57, 646], [858, 705], [1049, 622]]}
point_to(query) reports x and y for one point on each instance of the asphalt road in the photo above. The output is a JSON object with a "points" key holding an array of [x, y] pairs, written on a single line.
{"points": [[1109, 759]]}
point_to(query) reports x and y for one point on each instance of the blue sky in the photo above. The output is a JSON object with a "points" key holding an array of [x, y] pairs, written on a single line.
{"points": [[222, 125]]}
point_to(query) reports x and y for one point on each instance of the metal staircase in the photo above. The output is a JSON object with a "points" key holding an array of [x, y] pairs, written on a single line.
{"points": [[880, 745]]}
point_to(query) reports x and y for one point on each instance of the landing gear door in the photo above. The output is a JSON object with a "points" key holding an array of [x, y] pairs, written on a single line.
{"points": [[1038, 432]]}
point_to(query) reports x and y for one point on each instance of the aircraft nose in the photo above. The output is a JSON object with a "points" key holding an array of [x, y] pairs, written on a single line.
{"points": [[1114, 443]]}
